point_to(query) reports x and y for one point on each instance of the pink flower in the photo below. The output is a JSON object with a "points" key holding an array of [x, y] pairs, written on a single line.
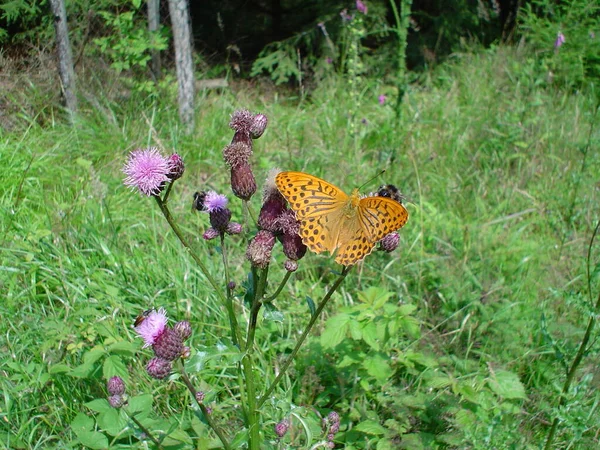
{"points": [[214, 202], [147, 170], [345, 16], [152, 327], [382, 98], [361, 7], [560, 40]]}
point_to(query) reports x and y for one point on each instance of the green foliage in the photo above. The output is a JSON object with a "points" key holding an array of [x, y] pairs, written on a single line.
{"points": [[575, 62]]}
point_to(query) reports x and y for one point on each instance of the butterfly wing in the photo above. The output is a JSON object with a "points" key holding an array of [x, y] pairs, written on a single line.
{"points": [[310, 196], [376, 217]]}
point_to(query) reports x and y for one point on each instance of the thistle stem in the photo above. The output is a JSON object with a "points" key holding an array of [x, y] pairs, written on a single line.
{"points": [[147, 432], [302, 338], [209, 420], [228, 304], [279, 288], [233, 323]]}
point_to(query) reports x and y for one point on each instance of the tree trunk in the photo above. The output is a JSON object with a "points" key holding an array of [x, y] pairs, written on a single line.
{"points": [[153, 23], [65, 58], [182, 37]]}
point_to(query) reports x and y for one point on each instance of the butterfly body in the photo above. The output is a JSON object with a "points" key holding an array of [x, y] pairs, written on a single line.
{"points": [[331, 220]]}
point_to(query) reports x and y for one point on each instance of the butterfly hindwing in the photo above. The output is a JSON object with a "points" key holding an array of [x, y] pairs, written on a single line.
{"points": [[380, 216]]}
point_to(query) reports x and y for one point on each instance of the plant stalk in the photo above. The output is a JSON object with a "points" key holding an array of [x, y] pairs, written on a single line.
{"points": [[302, 338]]}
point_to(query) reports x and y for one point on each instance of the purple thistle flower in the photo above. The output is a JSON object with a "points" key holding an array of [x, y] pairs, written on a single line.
{"points": [[361, 7], [147, 170], [159, 368], [241, 121], [560, 40], [382, 98], [153, 325], [214, 202]]}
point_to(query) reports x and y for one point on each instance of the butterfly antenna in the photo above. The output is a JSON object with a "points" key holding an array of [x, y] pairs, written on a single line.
{"points": [[371, 179]]}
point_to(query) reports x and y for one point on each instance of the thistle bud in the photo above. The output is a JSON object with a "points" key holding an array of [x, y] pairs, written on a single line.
{"points": [[234, 228], [210, 234], [241, 121], [290, 266], [158, 368], [176, 167], [282, 427], [243, 183], [116, 401], [168, 345], [390, 242], [258, 126], [260, 248], [183, 329], [238, 153], [115, 386]]}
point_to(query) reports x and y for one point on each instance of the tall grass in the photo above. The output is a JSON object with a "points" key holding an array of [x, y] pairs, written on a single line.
{"points": [[502, 207]]}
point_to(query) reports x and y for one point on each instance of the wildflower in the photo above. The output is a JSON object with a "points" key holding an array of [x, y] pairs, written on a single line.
{"points": [[152, 326], [199, 396], [184, 329], [216, 206], [260, 248], [237, 153], [258, 126], [115, 386], [328, 60], [241, 121], [176, 167], [273, 205], [361, 7], [282, 427], [147, 170], [293, 247], [390, 242], [382, 98], [168, 345], [345, 16], [560, 40], [159, 368]]}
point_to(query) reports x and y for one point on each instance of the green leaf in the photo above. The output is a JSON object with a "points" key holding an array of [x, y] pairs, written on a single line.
{"points": [[439, 382], [81, 422], [58, 369], [140, 403], [311, 305], [112, 421], [177, 437], [93, 439], [369, 335], [378, 366], [507, 385], [370, 427], [99, 405], [114, 366], [335, 330], [385, 444]]}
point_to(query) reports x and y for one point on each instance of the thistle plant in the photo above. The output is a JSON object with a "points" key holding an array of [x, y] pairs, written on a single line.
{"points": [[276, 230]]}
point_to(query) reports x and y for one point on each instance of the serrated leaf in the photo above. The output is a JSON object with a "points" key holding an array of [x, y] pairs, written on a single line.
{"points": [[112, 421], [369, 335], [370, 427], [335, 330], [139, 403], [378, 367], [58, 369], [385, 444], [114, 366], [125, 348], [507, 385]]}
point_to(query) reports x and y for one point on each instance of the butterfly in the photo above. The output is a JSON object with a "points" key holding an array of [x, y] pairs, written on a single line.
{"points": [[332, 220]]}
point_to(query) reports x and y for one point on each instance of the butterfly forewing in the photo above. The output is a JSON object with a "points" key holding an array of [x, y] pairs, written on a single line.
{"points": [[309, 196]]}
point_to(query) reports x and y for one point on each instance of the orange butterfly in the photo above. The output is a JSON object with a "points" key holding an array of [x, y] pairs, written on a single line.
{"points": [[331, 220]]}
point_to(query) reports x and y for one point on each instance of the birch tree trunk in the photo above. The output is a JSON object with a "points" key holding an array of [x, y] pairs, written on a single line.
{"points": [[182, 37], [65, 58], [153, 23]]}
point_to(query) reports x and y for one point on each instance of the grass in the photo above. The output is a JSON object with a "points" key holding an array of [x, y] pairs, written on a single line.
{"points": [[501, 173]]}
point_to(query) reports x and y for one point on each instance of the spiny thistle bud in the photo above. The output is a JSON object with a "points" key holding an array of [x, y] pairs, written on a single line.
{"points": [[282, 427], [115, 386], [158, 368], [234, 228], [186, 352], [238, 153], [116, 401], [390, 242], [293, 247], [258, 126], [241, 121], [168, 345], [176, 167], [183, 329], [290, 266], [259, 249], [210, 234], [243, 183]]}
